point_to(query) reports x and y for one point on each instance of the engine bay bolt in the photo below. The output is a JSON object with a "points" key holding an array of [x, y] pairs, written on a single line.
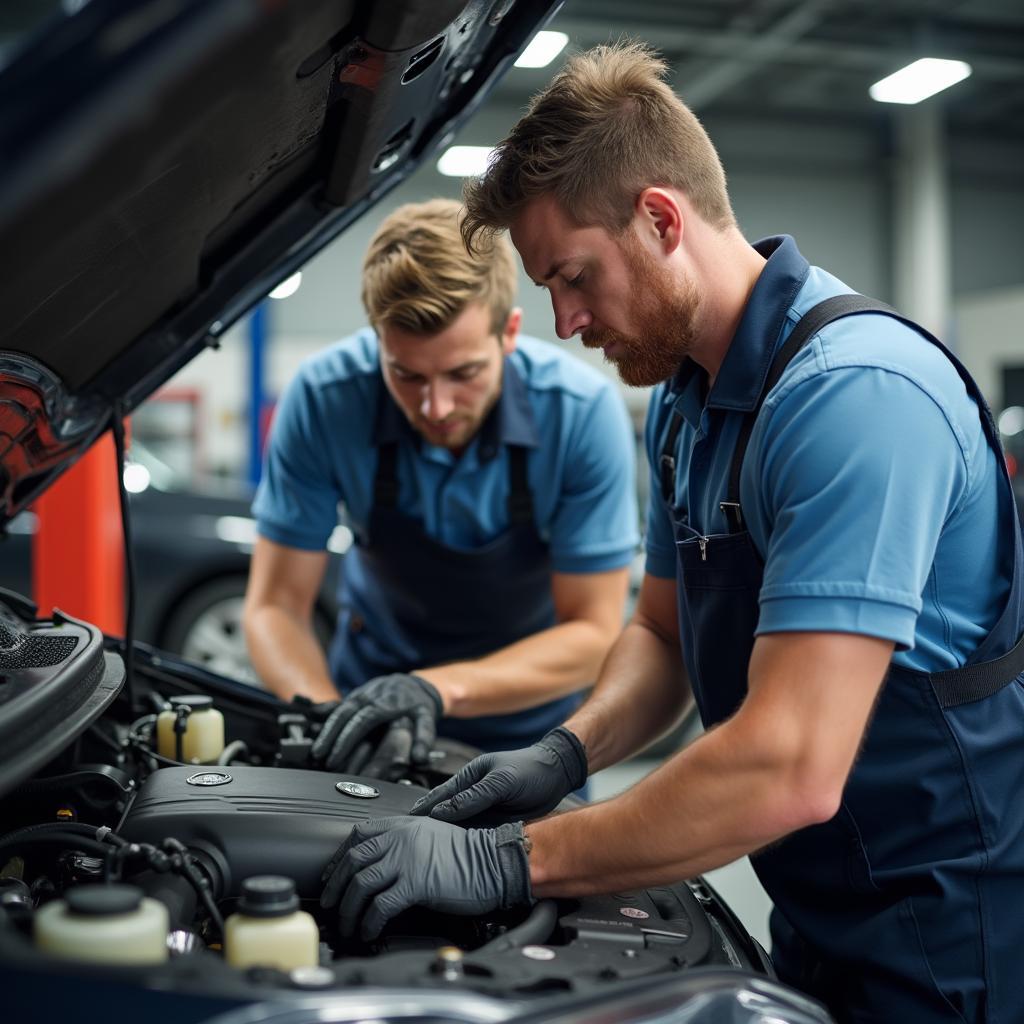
{"points": [[448, 963]]}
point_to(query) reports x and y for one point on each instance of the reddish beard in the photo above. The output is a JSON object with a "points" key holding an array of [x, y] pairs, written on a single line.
{"points": [[665, 319]]}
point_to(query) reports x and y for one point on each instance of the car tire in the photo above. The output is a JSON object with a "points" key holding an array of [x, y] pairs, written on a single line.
{"points": [[205, 626]]}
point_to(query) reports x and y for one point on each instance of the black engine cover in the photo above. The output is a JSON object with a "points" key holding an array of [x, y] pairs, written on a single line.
{"points": [[281, 821]]}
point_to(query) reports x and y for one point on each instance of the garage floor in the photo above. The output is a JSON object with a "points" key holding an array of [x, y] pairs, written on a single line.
{"points": [[736, 882]]}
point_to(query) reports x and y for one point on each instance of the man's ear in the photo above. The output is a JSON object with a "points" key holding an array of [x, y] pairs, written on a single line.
{"points": [[660, 218], [511, 331]]}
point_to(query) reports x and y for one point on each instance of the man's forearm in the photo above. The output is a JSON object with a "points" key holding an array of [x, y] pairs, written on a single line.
{"points": [[287, 655], [714, 802], [532, 671], [779, 764], [641, 694]]}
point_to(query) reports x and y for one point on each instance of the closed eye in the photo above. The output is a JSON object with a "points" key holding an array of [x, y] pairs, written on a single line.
{"points": [[404, 375]]}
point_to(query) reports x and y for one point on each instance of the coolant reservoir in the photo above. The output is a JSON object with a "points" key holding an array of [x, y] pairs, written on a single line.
{"points": [[203, 738], [104, 924], [269, 929]]}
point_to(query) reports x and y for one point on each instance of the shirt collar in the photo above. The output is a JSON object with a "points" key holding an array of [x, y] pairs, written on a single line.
{"points": [[743, 372], [510, 422]]}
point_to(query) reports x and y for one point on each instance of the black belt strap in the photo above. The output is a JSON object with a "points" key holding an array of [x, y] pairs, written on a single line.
{"points": [[520, 498], [976, 682]]}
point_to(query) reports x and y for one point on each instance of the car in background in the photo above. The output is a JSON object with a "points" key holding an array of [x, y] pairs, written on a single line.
{"points": [[163, 165], [194, 541]]}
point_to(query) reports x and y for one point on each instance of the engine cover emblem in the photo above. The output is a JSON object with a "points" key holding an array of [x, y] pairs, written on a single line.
{"points": [[357, 789], [209, 779], [636, 912]]}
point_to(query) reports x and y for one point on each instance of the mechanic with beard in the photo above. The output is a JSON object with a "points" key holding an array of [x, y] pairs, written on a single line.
{"points": [[488, 479], [833, 567]]}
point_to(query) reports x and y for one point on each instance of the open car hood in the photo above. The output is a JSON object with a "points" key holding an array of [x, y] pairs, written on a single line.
{"points": [[165, 163]]}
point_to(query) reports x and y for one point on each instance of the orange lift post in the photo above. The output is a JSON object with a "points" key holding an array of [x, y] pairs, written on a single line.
{"points": [[78, 547]]}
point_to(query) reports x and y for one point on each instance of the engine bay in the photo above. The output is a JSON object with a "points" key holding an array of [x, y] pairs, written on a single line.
{"points": [[90, 804]]}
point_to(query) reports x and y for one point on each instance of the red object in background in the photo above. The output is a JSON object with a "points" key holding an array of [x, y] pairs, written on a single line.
{"points": [[78, 547], [1011, 464]]}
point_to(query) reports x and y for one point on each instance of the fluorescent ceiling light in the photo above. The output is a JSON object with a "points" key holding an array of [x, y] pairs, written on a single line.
{"points": [[464, 161], [918, 81], [543, 49], [289, 286]]}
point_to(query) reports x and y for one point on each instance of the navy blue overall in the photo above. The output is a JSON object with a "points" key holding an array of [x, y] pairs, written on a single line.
{"points": [[907, 907], [443, 604]]}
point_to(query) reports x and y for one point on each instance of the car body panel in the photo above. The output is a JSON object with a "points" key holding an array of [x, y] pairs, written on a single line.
{"points": [[163, 165]]}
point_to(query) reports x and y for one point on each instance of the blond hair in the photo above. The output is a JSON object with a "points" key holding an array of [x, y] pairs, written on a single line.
{"points": [[607, 127], [417, 274]]}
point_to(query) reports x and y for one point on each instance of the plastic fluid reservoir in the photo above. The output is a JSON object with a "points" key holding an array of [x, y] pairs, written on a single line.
{"points": [[269, 929], [104, 924], [202, 740]]}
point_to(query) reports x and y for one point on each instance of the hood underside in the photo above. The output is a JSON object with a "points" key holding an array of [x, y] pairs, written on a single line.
{"points": [[165, 163]]}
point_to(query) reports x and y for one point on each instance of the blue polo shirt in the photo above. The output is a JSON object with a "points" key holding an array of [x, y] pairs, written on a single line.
{"points": [[868, 486], [322, 454]]}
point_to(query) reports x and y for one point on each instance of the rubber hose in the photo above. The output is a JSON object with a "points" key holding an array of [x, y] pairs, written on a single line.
{"points": [[537, 928]]}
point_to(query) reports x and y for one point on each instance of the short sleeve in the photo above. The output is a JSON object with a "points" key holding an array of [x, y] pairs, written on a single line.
{"points": [[859, 469], [296, 503], [594, 526]]}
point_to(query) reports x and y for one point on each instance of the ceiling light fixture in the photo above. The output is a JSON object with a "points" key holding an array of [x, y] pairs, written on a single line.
{"points": [[918, 81], [543, 49], [464, 161]]}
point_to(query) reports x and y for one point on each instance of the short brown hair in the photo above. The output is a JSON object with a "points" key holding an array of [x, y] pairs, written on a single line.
{"points": [[417, 274], [607, 127]]}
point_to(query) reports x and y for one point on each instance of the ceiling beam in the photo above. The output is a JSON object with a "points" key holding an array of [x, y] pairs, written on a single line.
{"points": [[751, 53], [672, 38]]}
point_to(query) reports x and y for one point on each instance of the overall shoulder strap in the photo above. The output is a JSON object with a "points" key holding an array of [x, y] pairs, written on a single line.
{"points": [[520, 499], [810, 323], [667, 459], [957, 686], [385, 483]]}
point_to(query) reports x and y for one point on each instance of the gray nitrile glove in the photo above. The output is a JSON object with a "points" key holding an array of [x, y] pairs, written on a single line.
{"points": [[389, 865], [376, 703], [389, 758], [527, 783]]}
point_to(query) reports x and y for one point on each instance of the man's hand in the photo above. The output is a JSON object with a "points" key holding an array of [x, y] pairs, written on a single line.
{"points": [[389, 865], [387, 721], [385, 754], [407, 704], [315, 711], [526, 783]]}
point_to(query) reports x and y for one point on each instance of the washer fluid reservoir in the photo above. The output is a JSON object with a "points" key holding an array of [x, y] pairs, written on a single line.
{"points": [[104, 924], [200, 726], [269, 929]]}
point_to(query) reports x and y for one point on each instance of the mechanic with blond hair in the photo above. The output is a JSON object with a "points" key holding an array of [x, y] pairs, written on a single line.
{"points": [[488, 480], [834, 569]]}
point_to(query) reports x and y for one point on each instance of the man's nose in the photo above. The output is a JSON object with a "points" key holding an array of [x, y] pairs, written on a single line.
{"points": [[437, 401], [571, 316]]}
